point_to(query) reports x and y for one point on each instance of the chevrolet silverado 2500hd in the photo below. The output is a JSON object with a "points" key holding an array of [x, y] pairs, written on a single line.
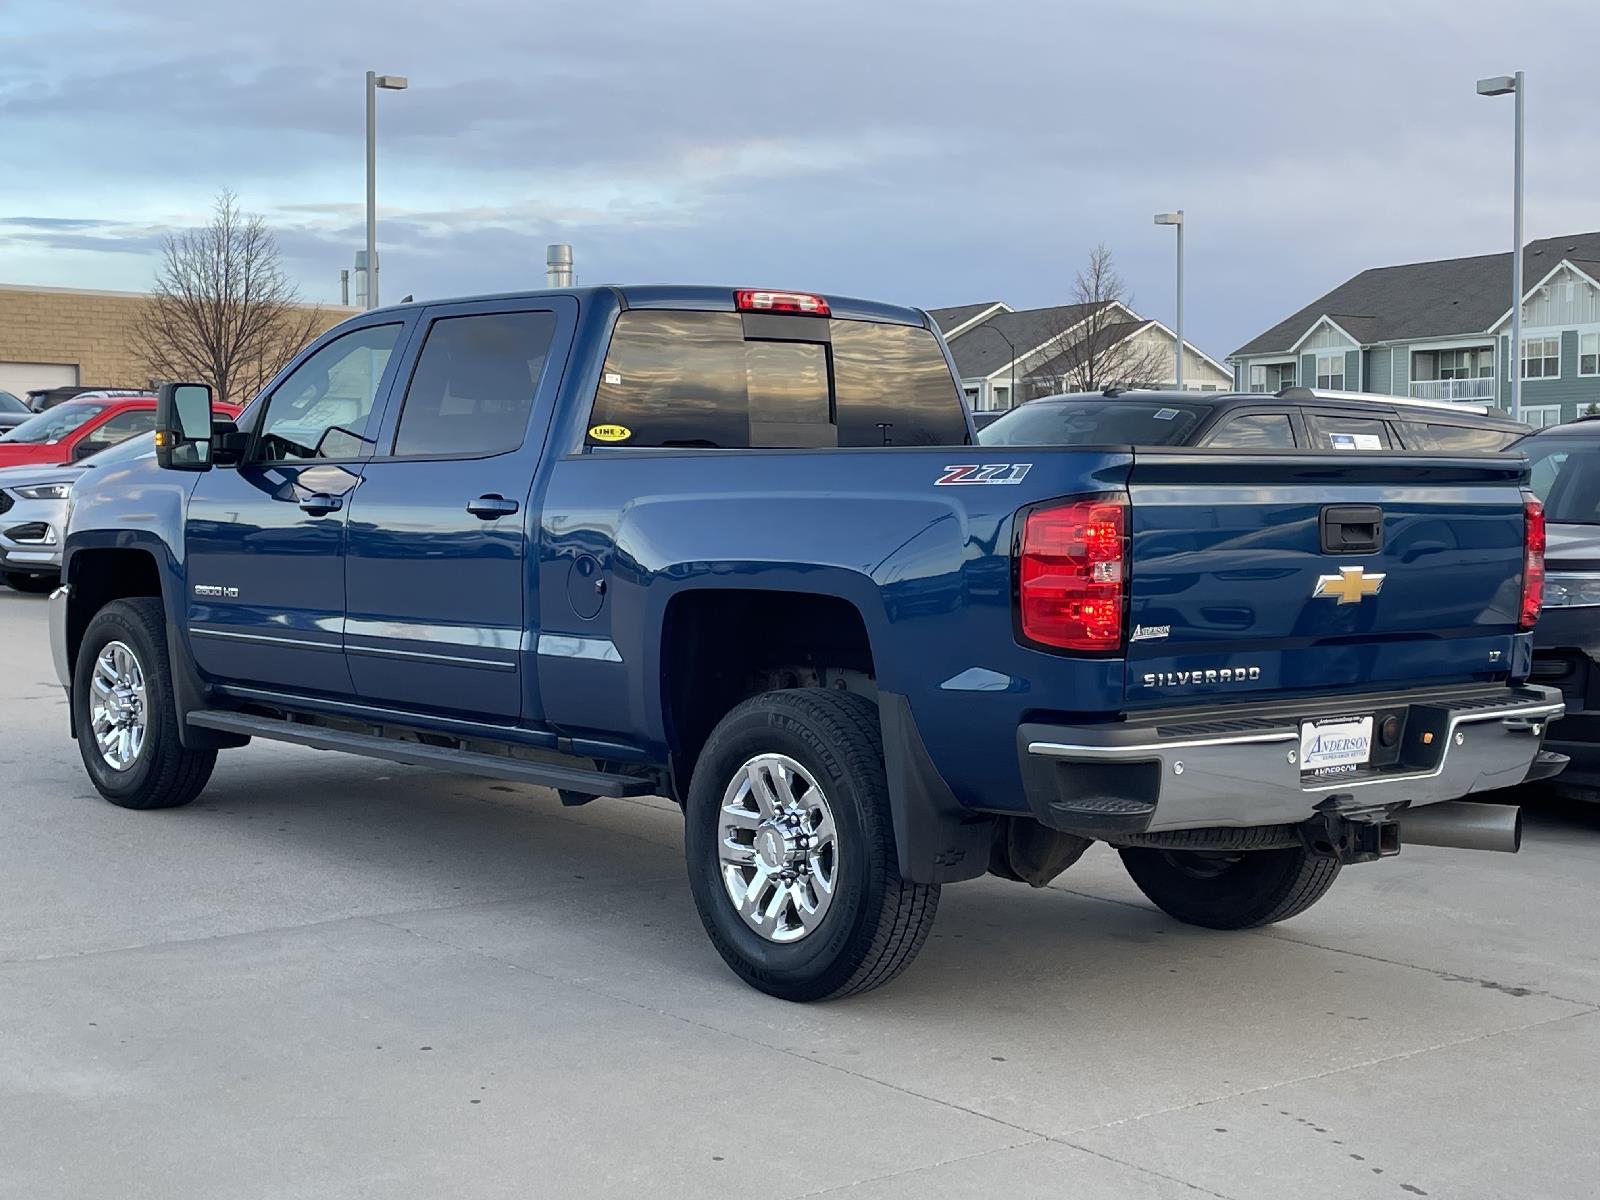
{"points": [[737, 548]]}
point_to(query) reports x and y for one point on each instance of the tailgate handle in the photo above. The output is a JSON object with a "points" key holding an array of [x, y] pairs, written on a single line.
{"points": [[1352, 529]]}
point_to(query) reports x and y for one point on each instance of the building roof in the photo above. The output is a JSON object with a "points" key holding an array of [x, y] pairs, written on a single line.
{"points": [[978, 353], [953, 318], [1429, 299]]}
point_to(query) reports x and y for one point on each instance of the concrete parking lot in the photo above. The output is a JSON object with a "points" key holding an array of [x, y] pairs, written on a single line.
{"points": [[333, 978]]}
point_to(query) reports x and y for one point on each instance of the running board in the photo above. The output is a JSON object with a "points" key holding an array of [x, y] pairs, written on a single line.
{"points": [[553, 775]]}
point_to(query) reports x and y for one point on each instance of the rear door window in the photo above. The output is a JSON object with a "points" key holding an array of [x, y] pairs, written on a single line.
{"points": [[1255, 431], [718, 381], [1339, 431], [474, 384]]}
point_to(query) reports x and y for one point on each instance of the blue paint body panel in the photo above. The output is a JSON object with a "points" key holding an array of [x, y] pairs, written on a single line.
{"points": [[550, 622]]}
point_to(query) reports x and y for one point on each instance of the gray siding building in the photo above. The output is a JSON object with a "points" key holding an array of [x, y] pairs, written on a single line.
{"points": [[1441, 331]]}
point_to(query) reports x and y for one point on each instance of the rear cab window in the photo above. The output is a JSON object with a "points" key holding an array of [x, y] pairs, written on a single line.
{"points": [[715, 380]]}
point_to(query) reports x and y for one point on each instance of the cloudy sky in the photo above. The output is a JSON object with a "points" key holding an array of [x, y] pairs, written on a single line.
{"points": [[930, 153]]}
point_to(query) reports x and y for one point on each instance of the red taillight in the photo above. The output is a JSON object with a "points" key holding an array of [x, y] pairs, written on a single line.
{"points": [[1071, 572], [1532, 560], [804, 303]]}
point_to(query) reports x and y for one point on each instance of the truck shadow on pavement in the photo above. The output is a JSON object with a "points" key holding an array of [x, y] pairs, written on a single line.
{"points": [[596, 896]]}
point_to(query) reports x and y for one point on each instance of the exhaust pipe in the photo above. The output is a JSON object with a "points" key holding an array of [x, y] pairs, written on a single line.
{"points": [[1463, 825]]}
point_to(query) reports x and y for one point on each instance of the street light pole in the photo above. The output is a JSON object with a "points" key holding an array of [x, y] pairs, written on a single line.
{"points": [[1176, 218], [393, 83], [1499, 85]]}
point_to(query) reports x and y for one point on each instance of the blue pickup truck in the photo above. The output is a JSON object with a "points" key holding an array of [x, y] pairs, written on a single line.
{"points": [[738, 548]]}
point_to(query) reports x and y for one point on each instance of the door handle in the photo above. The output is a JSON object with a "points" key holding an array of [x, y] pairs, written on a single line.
{"points": [[491, 506], [320, 504]]}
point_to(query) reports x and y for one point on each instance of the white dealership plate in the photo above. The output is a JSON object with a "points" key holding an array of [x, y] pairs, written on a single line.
{"points": [[1335, 742]]}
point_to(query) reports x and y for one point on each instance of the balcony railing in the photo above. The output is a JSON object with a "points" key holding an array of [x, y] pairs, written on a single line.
{"points": [[1481, 388]]}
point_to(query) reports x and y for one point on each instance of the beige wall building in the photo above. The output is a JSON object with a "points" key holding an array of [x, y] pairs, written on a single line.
{"points": [[60, 337]]}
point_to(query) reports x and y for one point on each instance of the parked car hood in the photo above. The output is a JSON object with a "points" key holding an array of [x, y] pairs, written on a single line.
{"points": [[29, 475]]}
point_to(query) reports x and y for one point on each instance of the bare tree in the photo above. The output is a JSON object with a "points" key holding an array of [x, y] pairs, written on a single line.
{"points": [[222, 311], [1093, 346]]}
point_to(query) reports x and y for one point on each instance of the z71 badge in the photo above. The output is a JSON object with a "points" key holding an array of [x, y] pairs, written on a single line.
{"points": [[987, 473]]}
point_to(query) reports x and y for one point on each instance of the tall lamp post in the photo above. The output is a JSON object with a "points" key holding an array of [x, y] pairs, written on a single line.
{"points": [[1500, 85], [1176, 218], [1012, 346], [392, 83]]}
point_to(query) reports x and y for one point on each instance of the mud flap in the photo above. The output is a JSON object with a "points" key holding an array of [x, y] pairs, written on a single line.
{"points": [[937, 839]]}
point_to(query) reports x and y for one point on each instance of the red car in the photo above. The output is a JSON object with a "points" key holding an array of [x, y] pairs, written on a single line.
{"points": [[77, 429]]}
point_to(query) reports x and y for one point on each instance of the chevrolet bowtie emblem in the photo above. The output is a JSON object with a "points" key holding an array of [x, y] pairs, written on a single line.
{"points": [[1350, 586]]}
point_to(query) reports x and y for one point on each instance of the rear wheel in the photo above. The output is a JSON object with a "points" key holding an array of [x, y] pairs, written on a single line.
{"points": [[1238, 890], [791, 848], [122, 704], [22, 581]]}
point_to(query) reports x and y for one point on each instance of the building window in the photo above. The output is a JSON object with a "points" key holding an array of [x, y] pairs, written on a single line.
{"points": [[1466, 364], [1271, 377], [1330, 371], [1541, 358], [1589, 353], [1542, 415]]}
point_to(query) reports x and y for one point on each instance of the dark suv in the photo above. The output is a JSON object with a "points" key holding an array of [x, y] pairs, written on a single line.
{"points": [[1566, 645], [1290, 419]]}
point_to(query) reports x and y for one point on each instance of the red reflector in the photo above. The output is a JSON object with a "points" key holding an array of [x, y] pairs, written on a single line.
{"points": [[1532, 560], [749, 300], [1071, 573]]}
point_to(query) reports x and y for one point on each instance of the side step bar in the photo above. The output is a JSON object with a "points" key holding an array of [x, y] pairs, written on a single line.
{"points": [[553, 775]]}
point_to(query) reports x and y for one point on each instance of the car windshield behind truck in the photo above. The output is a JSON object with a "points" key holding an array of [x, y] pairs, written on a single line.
{"points": [[714, 380], [54, 424], [1094, 421]]}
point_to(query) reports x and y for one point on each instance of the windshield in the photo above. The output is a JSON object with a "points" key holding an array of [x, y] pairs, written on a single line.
{"points": [[1566, 476], [138, 446], [54, 424], [1094, 421], [10, 404]]}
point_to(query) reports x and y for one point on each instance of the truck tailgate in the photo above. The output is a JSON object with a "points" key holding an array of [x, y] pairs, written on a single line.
{"points": [[1322, 572]]}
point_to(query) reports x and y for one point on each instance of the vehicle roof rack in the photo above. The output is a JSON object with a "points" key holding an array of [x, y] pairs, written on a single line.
{"points": [[1300, 392]]}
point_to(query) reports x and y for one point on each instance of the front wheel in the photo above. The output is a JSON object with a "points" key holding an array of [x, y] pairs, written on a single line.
{"points": [[122, 706], [1238, 890], [791, 848]]}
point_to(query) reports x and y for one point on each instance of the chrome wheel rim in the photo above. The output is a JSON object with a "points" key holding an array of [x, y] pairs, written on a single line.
{"points": [[779, 848], [117, 712]]}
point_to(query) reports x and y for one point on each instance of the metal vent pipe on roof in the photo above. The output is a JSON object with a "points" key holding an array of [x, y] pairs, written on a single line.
{"points": [[558, 265]]}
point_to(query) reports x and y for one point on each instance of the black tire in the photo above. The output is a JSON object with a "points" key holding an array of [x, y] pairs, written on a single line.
{"points": [[1231, 891], [164, 774], [22, 581], [876, 922]]}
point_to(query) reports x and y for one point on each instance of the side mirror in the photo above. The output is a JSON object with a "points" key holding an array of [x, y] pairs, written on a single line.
{"points": [[183, 427], [87, 447]]}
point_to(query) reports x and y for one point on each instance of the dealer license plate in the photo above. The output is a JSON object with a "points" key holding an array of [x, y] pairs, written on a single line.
{"points": [[1335, 745]]}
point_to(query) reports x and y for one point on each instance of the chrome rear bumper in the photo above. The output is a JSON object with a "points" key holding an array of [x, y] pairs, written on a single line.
{"points": [[1242, 770]]}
